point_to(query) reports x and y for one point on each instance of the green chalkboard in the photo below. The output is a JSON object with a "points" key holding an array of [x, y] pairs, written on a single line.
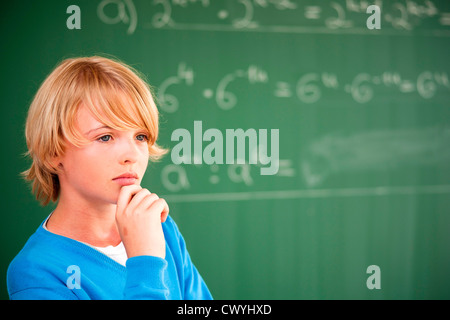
{"points": [[362, 117]]}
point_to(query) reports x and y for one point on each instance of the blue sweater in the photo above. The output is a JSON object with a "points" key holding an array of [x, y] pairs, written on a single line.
{"points": [[51, 266]]}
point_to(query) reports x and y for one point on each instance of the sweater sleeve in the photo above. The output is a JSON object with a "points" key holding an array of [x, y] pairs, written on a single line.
{"points": [[43, 294], [194, 286], [145, 279], [146, 274], [28, 280]]}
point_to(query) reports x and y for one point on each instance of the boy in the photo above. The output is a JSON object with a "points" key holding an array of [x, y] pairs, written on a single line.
{"points": [[91, 130]]}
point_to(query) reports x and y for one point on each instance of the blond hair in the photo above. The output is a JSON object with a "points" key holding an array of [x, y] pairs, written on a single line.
{"points": [[111, 90]]}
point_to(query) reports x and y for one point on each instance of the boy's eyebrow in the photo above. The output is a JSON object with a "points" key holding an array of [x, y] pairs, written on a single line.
{"points": [[98, 128]]}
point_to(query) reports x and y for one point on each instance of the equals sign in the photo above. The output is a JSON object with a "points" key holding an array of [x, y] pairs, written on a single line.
{"points": [[283, 90], [445, 19], [285, 168], [312, 12]]}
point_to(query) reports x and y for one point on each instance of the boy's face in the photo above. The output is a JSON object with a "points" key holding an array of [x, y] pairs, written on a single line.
{"points": [[95, 173]]}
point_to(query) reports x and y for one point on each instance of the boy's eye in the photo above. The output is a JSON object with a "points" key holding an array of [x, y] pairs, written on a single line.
{"points": [[105, 138], [142, 137]]}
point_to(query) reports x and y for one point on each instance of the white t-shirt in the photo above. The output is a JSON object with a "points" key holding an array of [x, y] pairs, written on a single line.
{"points": [[117, 253]]}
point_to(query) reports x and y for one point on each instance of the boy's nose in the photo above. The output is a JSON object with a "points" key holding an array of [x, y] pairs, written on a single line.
{"points": [[129, 152]]}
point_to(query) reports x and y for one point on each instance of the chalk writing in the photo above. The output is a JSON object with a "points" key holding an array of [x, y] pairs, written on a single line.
{"points": [[309, 88], [286, 16]]}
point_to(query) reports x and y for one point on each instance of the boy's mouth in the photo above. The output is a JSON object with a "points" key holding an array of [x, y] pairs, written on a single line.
{"points": [[126, 179]]}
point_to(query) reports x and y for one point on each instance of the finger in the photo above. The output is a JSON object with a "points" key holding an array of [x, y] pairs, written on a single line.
{"points": [[135, 202], [125, 195], [160, 205], [148, 201]]}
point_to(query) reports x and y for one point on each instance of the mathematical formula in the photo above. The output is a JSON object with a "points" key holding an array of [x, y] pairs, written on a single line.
{"points": [[345, 16], [308, 89], [325, 156]]}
